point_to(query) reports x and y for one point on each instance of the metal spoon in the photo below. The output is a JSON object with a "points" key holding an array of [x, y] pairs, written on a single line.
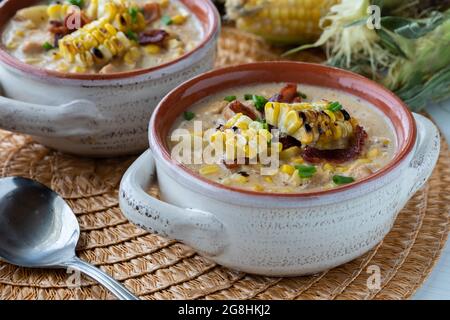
{"points": [[39, 230]]}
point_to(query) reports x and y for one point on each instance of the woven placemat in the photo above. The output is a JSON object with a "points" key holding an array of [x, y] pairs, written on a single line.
{"points": [[158, 268]]}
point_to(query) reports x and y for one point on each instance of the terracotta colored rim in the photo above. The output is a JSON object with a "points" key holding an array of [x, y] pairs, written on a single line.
{"points": [[182, 97], [205, 11]]}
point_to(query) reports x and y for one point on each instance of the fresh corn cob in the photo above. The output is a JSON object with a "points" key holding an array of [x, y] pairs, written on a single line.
{"points": [[311, 124], [96, 43], [280, 21]]}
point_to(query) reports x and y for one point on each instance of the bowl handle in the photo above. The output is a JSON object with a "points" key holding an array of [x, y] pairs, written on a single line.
{"points": [[76, 118], [426, 152], [198, 229]]}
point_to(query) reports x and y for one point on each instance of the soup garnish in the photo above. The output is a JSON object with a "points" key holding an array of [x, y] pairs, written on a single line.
{"points": [[101, 36], [330, 140]]}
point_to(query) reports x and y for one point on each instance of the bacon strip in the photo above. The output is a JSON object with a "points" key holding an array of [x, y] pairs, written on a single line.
{"points": [[288, 94], [314, 155], [238, 107], [289, 142], [153, 37]]}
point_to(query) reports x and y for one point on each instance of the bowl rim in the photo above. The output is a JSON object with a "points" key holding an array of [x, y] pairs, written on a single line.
{"points": [[158, 148], [212, 29]]}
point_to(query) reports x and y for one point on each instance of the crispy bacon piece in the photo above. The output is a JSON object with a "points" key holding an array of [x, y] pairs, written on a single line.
{"points": [[235, 165], [314, 155], [238, 107], [151, 11], [288, 94], [155, 36], [289, 142]]}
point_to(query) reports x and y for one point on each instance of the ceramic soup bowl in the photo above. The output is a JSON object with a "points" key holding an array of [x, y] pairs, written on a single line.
{"points": [[278, 234], [100, 114]]}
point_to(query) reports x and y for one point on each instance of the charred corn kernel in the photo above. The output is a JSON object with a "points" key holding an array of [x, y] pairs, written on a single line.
{"points": [[179, 19], [372, 154], [258, 188], [164, 3], [266, 134], [289, 153], [280, 21], [292, 122], [231, 122], [364, 161], [132, 56], [343, 168], [298, 160], [217, 136], [79, 69], [330, 114], [328, 167], [58, 11], [242, 122], [288, 169], [268, 179], [209, 169], [152, 49], [272, 112]]}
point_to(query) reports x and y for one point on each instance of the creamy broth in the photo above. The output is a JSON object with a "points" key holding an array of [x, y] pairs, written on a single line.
{"points": [[38, 35], [294, 173]]}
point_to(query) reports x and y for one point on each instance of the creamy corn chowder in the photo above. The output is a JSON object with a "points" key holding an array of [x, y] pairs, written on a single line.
{"points": [[101, 36], [322, 138]]}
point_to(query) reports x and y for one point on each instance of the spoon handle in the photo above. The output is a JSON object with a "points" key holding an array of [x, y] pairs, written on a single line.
{"points": [[107, 281]]}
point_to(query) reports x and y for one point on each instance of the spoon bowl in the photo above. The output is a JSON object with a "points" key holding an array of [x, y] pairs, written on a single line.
{"points": [[39, 230]]}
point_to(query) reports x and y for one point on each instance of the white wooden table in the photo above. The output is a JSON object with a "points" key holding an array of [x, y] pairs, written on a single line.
{"points": [[438, 284]]}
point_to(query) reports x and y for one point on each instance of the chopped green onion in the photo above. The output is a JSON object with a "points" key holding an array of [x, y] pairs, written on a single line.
{"points": [[132, 35], [167, 20], [301, 94], [134, 14], [78, 3], [188, 115], [259, 102], [248, 97], [339, 180], [230, 98], [47, 46], [334, 106], [306, 171]]}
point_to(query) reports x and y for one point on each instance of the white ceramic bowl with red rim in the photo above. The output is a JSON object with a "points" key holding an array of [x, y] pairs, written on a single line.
{"points": [[278, 234], [101, 114]]}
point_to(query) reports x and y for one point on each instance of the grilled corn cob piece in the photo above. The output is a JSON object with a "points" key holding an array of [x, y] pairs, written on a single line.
{"points": [[280, 21], [96, 43], [311, 124]]}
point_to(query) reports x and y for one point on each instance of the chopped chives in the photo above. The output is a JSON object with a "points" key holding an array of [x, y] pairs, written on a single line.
{"points": [[189, 115], [334, 106], [78, 3], [259, 102], [134, 14], [132, 35], [248, 96], [167, 20], [47, 46], [340, 180], [306, 171], [230, 98], [301, 94]]}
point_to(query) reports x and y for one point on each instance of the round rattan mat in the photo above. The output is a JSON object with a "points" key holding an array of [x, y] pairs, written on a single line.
{"points": [[158, 268]]}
